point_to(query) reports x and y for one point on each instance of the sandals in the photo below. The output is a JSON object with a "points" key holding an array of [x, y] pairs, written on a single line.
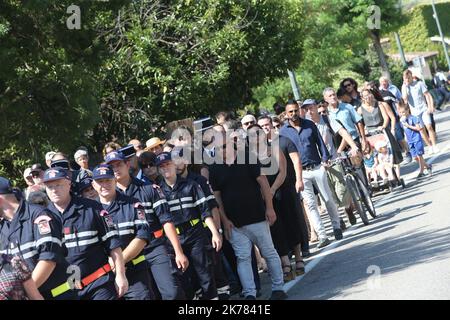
{"points": [[299, 268], [288, 273]]}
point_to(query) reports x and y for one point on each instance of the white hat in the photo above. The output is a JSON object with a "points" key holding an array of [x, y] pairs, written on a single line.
{"points": [[49, 155], [80, 153], [248, 118], [380, 144], [27, 172]]}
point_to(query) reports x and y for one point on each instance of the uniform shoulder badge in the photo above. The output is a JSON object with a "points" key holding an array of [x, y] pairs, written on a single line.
{"points": [[108, 219], [43, 224], [140, 211]]}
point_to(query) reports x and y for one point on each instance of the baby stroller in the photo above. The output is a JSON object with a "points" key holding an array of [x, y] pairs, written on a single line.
{"points": [[386, 174]]}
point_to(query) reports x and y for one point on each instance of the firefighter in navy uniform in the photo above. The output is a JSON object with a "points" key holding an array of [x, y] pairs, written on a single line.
{"points": [[164, 269], [183, 170], [90, 237], [134, 231], [34, 233], [189, 207]]}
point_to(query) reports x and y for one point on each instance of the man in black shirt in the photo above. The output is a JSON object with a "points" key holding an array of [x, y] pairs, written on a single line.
{"points": [[237, 188]]}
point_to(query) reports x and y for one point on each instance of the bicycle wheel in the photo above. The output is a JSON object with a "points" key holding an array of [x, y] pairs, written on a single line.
{"points": [[352, 188], [366, 198]]}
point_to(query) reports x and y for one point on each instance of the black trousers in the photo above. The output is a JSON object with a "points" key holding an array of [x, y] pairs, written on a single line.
{"points": [[198, 250], [222, 283], [166, 283], [138, 284]]}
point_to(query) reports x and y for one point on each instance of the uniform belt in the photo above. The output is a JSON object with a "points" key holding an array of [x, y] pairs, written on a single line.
{"points": [[59, 290], [96, 274], [187, 225], [138, 260], [158, 233], [63, 288], [310, 166]]}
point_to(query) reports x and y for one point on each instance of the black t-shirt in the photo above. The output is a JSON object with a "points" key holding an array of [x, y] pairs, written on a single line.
{"points": [[390, 99], [240, 192], [287, 146]]}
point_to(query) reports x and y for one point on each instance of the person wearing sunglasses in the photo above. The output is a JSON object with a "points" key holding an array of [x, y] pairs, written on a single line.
{"points": [[148, 172], [247, 121], [351, 87]]}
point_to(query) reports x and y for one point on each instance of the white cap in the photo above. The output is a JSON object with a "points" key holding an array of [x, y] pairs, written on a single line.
{"points": [[49, 155], [248, 118], [27, 172], [80, 153]]}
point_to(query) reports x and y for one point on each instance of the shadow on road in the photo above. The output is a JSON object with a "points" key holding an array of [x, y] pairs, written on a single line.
{"points": [[391, 254]]}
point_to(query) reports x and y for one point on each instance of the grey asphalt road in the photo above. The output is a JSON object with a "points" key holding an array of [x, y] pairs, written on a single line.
{"points": [[403, 254]]}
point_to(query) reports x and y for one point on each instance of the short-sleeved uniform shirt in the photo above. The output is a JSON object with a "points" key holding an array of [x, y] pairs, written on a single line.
{"points": [[89, 234], [35, 234], [131, 222]]}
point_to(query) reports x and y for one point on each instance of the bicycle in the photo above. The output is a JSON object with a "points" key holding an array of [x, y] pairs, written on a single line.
{"points": [[359, 192]]}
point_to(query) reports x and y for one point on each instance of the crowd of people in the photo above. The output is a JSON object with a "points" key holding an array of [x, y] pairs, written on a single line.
{"points": [[189, 218]]}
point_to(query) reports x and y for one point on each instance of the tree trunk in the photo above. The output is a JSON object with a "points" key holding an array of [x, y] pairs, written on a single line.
{"points": [[374, 35]]}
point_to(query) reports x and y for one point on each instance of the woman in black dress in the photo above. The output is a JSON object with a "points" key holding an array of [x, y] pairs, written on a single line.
{"points": [[287, 230]]}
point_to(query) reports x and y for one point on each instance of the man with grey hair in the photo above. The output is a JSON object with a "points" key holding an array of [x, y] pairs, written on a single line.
{"points": [[386, 85]]}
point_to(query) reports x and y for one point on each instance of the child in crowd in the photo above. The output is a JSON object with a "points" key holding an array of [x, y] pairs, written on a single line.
{"points": [[371, 163], [385, 162], [413, 126]]}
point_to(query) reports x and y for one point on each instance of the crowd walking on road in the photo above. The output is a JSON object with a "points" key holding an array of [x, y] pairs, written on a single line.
{"points": [[199, 213]]}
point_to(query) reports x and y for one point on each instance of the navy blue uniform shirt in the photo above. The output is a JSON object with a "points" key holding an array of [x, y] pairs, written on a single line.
{"points": [[186, 201], [308, 142], [206, 188], [130, 219], [35, 234], [154, 203], [89, 234]]}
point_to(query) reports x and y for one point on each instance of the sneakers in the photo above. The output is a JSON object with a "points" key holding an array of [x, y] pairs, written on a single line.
{"points": [[430, 170], [337, 234], [420, 175], [278, 295], [430, 151], [342, 223], [435, 149], [407, 158], [323, 243]]}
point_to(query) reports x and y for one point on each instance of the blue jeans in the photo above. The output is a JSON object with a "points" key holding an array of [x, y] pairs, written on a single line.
{"points": [[242, 240]]}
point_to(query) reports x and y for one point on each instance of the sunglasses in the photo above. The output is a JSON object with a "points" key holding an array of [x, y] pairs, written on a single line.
{"points": [[347, 85], [147, 165], [248, 123], [35, 174], [278, 126]]}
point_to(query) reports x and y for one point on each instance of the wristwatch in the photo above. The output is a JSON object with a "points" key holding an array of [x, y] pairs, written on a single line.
{"points": [[220, 231]]}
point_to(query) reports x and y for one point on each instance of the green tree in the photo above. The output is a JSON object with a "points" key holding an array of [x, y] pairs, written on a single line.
{"points": [[378, 17], [48, 91], [180, 58]]}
